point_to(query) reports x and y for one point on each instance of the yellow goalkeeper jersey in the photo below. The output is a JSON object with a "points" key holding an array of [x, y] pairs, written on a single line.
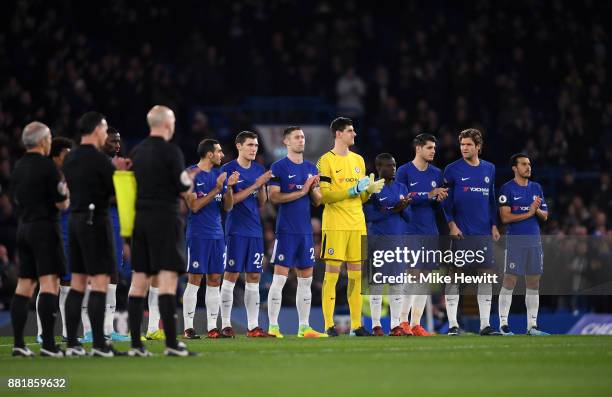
{"points": [[340, 173]]}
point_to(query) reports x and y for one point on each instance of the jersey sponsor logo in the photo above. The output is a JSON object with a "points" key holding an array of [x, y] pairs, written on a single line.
{"points": [[291, 176], [503, 199], [486, 179], [412, 184], [483, 190], [518, 207], [292, 186], [349, 180], [465, 179], [433, 184]]}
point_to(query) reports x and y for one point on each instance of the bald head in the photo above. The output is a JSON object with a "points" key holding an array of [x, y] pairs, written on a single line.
{"points": [[159, 115], [34, 133]]}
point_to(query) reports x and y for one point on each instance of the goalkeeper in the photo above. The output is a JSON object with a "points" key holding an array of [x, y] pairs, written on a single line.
{"points": [[344, 187]]}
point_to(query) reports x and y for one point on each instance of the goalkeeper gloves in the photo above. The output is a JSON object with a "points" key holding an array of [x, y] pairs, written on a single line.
{"points": [[375, 186], [367, 184]]}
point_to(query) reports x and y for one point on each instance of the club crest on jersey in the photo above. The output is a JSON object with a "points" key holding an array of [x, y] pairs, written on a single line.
{"points": [[433, 184], [487, 179], [503, 199], [357, 170], [195, 264]]}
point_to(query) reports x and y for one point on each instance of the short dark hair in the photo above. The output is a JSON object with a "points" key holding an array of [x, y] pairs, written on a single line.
{"points": [[339, 124], [290, 129], [112, 131], [58, 144], [89, 121], [514, 158], [473, 134], [244, 135], [383, 157], [422, 139], [207, 146]]}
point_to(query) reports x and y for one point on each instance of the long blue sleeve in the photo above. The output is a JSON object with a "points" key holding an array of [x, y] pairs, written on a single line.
{"points": [[493, 200], [448, 204]]}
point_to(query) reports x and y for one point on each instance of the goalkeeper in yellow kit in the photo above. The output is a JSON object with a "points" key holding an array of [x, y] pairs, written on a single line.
{"points": [[344, 188]]}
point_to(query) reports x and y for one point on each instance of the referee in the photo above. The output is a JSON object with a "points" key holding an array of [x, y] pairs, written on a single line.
{"points": [[158, 242], [89, 174], [38, 192]]}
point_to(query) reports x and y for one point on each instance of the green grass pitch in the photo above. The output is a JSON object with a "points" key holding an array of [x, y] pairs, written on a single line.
{"points": [[437, 366]]}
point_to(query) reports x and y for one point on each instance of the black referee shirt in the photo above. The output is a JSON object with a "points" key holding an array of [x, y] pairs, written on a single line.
{"points": [[36, 187], [89, 174], [159, 168]]}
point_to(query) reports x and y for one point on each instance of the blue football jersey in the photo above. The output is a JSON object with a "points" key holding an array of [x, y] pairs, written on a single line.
{"points": [[293, 217], [419, 184], [244, 219], [206, 223], [519, 198], [378, 210], [471, 201]]}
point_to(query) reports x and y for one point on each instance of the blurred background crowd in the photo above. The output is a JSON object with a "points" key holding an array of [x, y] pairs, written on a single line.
{"points": [[534, 76]]}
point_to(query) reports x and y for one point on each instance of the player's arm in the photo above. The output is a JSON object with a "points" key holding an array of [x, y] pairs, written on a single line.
{"points": [[259, 183], [448, 205], [315, 195], [58, 188], [508, 217], [196, 203], [542, 211], [543, 215], [493, 207], [228, 196], [373, 214], [278, 197]]}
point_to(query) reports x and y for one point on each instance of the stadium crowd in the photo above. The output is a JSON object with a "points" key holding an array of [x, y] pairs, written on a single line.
{"points": [[533, 81]]}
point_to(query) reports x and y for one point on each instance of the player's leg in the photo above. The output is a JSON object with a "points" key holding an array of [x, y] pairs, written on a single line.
{"points": [[376, 291], [354, 258], [253, 269], [485, 289], [214, 273], [396, 299], [505, 302], [419, 301], [235, 257], [333, 253], [534, 271], [451, 299], [64, 290], [153, 330], [303, 295], [111, 292], [190, 302], [283, 257]]}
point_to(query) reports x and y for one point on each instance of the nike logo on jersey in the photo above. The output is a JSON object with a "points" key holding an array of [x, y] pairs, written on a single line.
{"points": [[465, 179], [382, 199], [291, 176], [516, 198], [412, 184], [242, 180]]}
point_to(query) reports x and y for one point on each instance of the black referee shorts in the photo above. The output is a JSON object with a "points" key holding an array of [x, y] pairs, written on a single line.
{"points": [[40, 250], [158, 242], [92, 248]]}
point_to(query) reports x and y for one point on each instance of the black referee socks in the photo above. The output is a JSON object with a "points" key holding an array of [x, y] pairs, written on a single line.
{"points": [[74, 300], [135, 312], [19, 316], [167, 311], [47, 311], [95, 309]]}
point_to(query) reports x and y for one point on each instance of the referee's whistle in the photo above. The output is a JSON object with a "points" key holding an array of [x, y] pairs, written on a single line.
{"points": [[91, 207]]}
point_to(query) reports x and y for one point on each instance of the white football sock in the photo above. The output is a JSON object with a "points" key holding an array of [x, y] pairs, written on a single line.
{"points": [[505, 301], [532, 301], [212, 300], [227, 301], [38, 323], [485, 295], [418, 306], [451, 296], [190, 301], [376, 309], [109, 309], [303, 300], [396, 300], [406, 306], [154, 315], [64, 289], [84, 313], [251, 302], [275, 298]]}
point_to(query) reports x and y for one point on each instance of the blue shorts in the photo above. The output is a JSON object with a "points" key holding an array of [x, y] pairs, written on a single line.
{"points": [[293, 250], [114, 215], [429, 256], [244, 254], [205, 256], [474, 252], [521, 260]]}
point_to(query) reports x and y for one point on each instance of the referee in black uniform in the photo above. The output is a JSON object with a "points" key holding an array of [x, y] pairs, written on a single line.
{"points": [[38, 192], [89, 174], [158, 242]]}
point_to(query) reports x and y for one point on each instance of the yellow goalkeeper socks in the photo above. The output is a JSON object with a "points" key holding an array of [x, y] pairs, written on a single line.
{"points": [[328, 300], [353, 293]]}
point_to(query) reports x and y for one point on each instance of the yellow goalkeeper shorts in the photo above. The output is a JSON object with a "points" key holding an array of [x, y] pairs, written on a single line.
{"points": [[343, 246]]}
